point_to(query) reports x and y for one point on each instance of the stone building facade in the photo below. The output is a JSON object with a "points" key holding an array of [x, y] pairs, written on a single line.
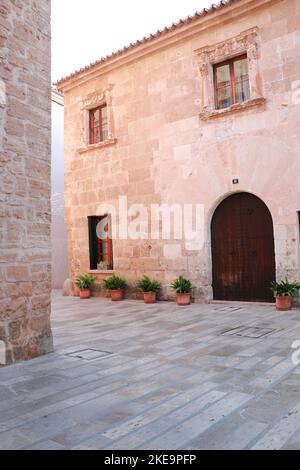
{"points": [[25, 156], [168, 140]]}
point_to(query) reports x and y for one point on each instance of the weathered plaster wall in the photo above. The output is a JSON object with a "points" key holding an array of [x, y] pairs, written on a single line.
{"points": [[166, 154], [25, 152]]}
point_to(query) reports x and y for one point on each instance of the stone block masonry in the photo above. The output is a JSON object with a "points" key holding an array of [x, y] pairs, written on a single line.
{"points": [[25, 155], [172, 146]]}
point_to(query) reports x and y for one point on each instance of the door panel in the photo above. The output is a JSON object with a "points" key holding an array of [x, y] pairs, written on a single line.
{"points": [[242, 249]]}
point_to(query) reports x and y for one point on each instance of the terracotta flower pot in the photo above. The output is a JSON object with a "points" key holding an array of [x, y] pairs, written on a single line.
{"points": [[183, 299], [149, 297], [116, 295], [284, 303], [85, 293]]}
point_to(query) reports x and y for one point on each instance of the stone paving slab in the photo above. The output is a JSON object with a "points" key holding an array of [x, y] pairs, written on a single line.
{"points": [[173, 379]]}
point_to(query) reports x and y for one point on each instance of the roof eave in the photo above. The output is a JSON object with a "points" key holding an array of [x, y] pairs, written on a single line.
{"points": [[125, 56]]}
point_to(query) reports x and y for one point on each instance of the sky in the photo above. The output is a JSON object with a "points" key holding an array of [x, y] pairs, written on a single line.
{"points": [[86, 30]]}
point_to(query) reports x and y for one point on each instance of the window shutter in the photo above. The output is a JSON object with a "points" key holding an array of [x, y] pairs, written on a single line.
{"points": [[92, 223]]}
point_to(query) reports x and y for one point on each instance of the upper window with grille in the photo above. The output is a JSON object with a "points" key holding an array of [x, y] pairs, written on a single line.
{"points": [[98, 125], [231, 82]]}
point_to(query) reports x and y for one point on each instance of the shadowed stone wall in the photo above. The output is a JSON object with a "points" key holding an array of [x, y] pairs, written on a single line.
{"points": [[25, 153]]}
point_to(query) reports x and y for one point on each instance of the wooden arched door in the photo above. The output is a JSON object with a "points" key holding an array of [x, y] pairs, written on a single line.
{"points": [[243, 257]]}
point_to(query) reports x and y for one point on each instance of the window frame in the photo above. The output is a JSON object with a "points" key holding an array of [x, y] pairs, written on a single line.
{"points": [[246, 42], [92, 125], [96, 244], [89, 102], [231, 63], [107, 242]]}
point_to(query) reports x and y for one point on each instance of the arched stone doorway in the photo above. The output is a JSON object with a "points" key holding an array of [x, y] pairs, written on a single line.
{"points": [[243, 256]]}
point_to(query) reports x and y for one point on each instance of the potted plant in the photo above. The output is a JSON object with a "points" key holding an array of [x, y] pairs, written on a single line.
{"points": [[102, 266], [117, 285], [149, 287], [183, 288], [284, 291], [84, 283]]}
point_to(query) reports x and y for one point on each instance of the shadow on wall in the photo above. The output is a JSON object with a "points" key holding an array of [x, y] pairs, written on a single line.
{"points": [[59, 252], [58, 229]]}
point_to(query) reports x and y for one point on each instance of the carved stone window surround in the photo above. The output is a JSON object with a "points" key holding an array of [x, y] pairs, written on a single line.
{"points": [[88, 103], [247, 43]]}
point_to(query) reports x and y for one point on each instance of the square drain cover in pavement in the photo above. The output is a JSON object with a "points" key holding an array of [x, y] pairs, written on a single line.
{"points": [[89, 354], [248, 331]]}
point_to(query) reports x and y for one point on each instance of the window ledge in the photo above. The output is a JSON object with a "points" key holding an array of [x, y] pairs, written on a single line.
{"points": [[89, 148], [101, 271], [216, 113]]}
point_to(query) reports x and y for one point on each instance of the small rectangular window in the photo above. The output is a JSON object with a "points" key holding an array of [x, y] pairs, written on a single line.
{"points": [[100, 242], [231, 82], [98, 124]]}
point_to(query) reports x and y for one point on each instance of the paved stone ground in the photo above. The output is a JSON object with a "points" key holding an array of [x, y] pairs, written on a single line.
{"points": [[175, 378]]}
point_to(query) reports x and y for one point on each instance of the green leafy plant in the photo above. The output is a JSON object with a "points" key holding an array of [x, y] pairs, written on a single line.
{"points": [[146, 284], [115, 283], [284, 288], [102, 264], [182, 285], [84, 281]]}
